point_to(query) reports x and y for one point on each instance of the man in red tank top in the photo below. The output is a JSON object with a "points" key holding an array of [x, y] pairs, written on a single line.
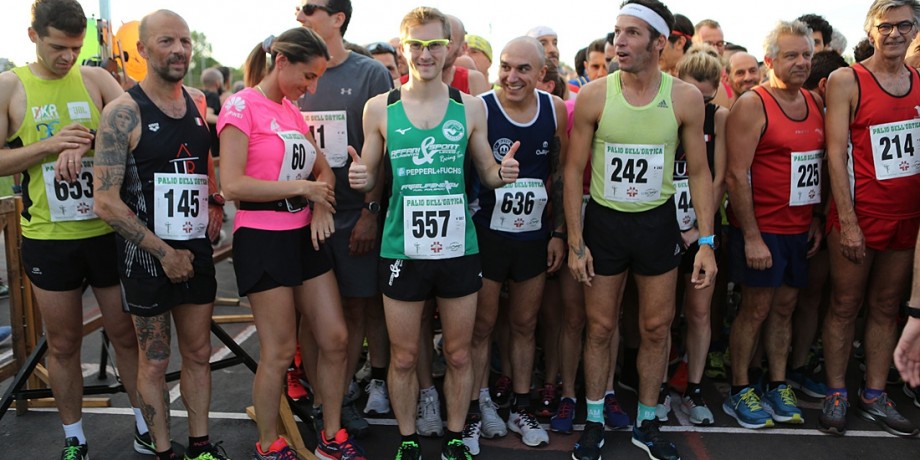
{"points": [[875, 213], [775, 140]]}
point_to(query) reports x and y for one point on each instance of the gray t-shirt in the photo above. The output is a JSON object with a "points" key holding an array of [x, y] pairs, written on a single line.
{"points": [[344, 88]]}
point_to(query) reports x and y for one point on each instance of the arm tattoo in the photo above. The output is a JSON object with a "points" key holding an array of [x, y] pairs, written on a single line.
{"points": [[110, 177], [133, 230], [556, 173], [115, 131], [579, 250]]}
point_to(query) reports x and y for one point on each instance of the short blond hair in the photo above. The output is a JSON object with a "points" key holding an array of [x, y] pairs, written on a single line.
{"points": [[701, 63], [423, 15]]}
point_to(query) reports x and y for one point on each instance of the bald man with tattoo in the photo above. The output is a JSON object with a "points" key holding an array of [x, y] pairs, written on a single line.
{"points": [[154, 179]]}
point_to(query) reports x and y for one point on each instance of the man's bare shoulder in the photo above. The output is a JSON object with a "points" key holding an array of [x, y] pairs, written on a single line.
{"points": [[9, 81], [195, 93], [121, 103]]}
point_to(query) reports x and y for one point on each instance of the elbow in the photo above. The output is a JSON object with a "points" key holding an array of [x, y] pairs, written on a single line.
{"points": [[102, 209]]}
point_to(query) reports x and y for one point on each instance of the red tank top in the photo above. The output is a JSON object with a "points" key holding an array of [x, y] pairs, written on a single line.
{"points": [[461, 79], [884, 156], [785, 172]]}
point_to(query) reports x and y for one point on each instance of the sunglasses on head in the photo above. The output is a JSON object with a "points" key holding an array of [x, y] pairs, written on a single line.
{"points": [[380, 48], [311, 8]]}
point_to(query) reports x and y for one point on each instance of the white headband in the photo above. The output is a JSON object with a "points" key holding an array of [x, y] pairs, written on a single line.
{"points": [[648, 15]]}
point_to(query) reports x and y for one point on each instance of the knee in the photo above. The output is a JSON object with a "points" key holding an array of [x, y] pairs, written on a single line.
{"points": [[63, 347], [698, 317], [524, 326], [482, 331], [599, 332], [655, 329], [403, 360], [457, 357], [198, 353]]}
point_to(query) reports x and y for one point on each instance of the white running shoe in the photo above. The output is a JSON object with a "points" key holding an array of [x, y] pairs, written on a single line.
{"points": [[428, 419], [378, 399], [493, 426], [525, 424]]}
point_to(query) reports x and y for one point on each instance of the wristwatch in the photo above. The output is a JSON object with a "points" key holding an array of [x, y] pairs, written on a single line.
{"points": [[373, 207], [913, 312], [216, 199], [708, 241]]}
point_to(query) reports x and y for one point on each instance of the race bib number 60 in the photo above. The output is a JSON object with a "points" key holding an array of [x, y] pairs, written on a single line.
{"points": [[70, 201], [893, 149], [180, 206], [434, 227], [633, 173]]}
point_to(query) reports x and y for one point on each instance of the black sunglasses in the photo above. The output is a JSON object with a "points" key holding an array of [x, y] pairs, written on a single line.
{"points": [[311, 8], [380, 48]]}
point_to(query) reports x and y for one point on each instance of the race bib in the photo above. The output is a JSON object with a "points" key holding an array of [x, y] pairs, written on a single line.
{"points": [[805, 183], [584, 205], [180, 205], [434, 227], [299, 156], [330, 130], [66, 201], [633, 172], [686, 215], [519, 206], [893, 149]]}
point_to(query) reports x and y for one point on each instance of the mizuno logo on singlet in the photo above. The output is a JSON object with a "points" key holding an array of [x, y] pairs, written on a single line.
{"points": [[403, 130]]}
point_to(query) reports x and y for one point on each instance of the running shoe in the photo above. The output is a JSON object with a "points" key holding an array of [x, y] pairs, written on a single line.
{"points": [[547, 400], [493, 426], [364, 373], [279, 450], [648, 437], [339, 448], [526, 425], [715, 366], [696, 409], [143, 443], [73, 450], [471, 433], [212, 452], [590, 443], [804, 381], [428, 417], [455, 450], [833, 419], [353, 393], [409, 450], [316, 418], [882, 411], [378, 399], [295, 389], [746, 408], [501, 391], [352, 420], [564, 419], [614, 415], [6, 334], [664, 405], [782, 405]]}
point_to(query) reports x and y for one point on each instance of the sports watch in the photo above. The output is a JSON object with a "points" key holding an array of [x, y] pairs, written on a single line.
{"points": [[708, 241], [373, 207]]}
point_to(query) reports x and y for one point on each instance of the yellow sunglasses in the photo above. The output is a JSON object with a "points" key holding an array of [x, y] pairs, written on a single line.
{"points": [[416, 46]]}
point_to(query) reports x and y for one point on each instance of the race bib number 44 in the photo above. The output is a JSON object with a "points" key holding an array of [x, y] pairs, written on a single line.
{"points": [[633, 172], [180, 206], [434, 227], [893, 149], [519, 206], [805, 183], [70, 201], [330, 130], [686, 215]]}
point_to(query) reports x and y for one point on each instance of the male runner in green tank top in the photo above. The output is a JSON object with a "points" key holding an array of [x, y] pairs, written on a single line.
{"points": [[47, 111], [629, 125], [429, 246]]}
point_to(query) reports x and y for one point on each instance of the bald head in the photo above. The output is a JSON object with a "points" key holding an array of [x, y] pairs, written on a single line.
{"points": [[212, 79], [457, 40], [149, 22], [743, 72], [526, 47]]}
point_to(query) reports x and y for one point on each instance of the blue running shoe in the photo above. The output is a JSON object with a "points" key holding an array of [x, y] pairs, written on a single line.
{"points": [[805, 382], [590, 443], [648, 438], [745, 407], [614, 415], [783, 406], [562, 422]]}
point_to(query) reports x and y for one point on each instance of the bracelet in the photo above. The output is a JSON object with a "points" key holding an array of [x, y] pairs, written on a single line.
{"points": [[913, 312], [561, 235], [500, 173]]}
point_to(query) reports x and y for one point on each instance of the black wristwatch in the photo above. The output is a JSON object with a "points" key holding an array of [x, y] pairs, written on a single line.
{"points": [[373, 207], [913, 312], [216, 199]]}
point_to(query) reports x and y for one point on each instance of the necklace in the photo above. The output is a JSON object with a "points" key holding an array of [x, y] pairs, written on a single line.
{"points": [[259, 87]]}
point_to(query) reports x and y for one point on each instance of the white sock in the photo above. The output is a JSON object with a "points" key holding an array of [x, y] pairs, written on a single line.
{"points": [[428, 391], [139, 421], [75, 430], [484, 394], [610, 392]]}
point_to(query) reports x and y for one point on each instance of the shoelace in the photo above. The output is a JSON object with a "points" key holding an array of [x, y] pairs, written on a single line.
{"points": [[612, 405], [652, 433], [593, 435], [457, 449], [472, 429], [427, 407], [565, 409], [526, 418], [216, 452], [788, 396], [503, 385], [749, 398], [836, 398], [351, 450], [72, 453], [405, 448]]}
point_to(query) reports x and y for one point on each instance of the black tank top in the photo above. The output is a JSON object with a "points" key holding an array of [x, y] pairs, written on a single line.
{"points": [[167, 145]]}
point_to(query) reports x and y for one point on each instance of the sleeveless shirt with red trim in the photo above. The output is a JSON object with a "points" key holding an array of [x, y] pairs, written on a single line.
{"points": [[461, 79], [894, 198], [771, 169]]}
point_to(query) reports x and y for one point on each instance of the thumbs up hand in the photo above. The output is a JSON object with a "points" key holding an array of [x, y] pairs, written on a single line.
{"points": [[357, 172], [510, 168]]}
